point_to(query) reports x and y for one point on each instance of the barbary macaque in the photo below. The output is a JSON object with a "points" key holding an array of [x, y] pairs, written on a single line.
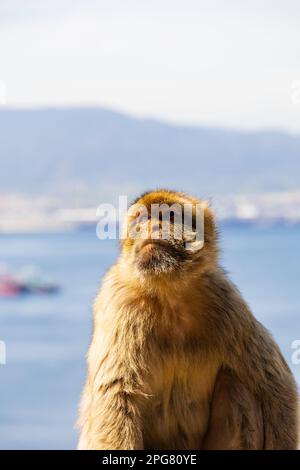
{"points": [[177, 359]]}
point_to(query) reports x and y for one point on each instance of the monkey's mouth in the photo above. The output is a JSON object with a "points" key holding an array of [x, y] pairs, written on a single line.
{"points": [[157, 255]]}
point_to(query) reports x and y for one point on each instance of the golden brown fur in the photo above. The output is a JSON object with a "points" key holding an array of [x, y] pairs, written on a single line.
{"points": [[178, 361]]}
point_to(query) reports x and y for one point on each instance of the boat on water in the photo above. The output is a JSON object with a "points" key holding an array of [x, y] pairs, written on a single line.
{"points": [[12, 286], [8, 287]]}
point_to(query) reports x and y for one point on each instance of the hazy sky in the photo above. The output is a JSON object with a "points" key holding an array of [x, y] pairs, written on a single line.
{"points": [[226, 63]]}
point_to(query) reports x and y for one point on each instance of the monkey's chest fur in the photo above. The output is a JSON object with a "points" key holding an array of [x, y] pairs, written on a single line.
{"points": [[180, 384], [176, 413]]}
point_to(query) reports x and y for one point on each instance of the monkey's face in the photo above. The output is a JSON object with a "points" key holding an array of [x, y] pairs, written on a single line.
{"points": [[165, 233]]}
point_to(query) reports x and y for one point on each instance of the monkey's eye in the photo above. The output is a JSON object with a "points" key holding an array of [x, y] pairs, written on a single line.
{"points": [[172, 217], [162, 218]]}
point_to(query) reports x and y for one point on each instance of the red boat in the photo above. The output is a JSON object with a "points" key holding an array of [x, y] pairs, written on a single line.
{"points": [[9, 287]]}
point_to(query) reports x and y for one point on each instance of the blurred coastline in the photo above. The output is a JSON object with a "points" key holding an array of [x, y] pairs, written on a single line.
{"points": [[24, 213]]}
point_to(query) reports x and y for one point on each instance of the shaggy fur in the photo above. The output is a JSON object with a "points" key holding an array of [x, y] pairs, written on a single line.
{"points": [[177, 360]]}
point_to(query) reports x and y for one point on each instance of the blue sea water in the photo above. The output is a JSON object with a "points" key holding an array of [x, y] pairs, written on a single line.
{"points": [[47, 336]]}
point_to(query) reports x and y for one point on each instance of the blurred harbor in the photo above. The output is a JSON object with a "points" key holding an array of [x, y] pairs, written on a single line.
{"points": [[24, 213]]}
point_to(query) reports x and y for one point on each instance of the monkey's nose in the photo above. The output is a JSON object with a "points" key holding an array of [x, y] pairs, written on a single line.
{"points": [[150, 244]]}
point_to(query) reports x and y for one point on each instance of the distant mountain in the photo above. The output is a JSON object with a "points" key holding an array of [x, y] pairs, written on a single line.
{"points": [[93, 151]]}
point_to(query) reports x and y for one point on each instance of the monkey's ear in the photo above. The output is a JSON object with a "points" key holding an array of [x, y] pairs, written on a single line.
{"points": [[210, 227]]}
